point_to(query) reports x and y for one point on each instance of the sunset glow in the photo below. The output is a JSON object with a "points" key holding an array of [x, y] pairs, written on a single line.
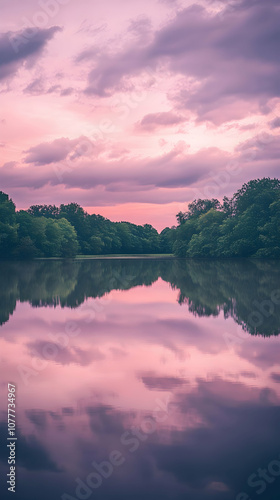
{"points": [[133, 109]]}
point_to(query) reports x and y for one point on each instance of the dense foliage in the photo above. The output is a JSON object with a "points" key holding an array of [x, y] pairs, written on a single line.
{"points": [[65, 231], [245, 226], [248, 225]]}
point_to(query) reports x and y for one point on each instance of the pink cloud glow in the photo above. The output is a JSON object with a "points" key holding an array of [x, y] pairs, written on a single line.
{"points": [[142, 104]]}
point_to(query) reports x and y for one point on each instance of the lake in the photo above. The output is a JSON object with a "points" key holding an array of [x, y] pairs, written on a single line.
{"points": [[142, 379]]}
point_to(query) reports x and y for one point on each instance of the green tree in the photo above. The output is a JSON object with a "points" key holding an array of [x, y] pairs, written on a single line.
{"points": [[270, 233], [196, 208], [260, 192], [31, 234], [8, 226], [53, 236], [69, 245], [184, 234], [48, 211], [204, 242], [167, 239], [77, 216]]}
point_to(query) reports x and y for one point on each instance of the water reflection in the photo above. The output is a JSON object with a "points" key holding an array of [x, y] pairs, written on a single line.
{"points": [[247, 291], [146, 399]]}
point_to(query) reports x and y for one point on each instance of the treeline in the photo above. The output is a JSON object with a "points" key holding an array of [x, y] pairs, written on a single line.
{"points": [[65, 231], [247, 225]]}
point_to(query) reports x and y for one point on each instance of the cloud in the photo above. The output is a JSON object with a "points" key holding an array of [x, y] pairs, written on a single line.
{"points": [[32, 455], [175, 169], [38, 418], [66, 92], [16, 48], [275, 123], [163, 119], [178, 459], [36, 87], [275, 377], [263, 147], [99, 171], [234, 61], [104, 421], [215, 415], [263, 357], [247, 374], [68, 411], [64, 356], [161, 383], [55, 151], [141, 27]]}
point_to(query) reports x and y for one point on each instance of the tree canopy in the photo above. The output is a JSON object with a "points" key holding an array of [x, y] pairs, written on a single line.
{"points": [[65, 231], [246, 225]]}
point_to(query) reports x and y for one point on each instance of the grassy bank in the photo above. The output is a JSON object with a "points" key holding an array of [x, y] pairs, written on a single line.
{"points": [[112, 256], [126, 256]]}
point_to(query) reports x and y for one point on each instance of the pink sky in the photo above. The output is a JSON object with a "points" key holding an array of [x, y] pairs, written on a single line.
{"points": [[133, 109]]}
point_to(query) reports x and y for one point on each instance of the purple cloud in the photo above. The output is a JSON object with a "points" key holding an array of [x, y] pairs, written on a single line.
{"points": [[67, 92], [56, 151], [275, 123], [36, 87], [163, 119], [233, 59], [141, 27], [67, 355], [162, 383], [263, 146], [275, 377], [175, 169], [18, 47]]}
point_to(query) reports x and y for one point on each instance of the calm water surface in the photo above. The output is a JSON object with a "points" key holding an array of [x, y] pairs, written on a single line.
{"points": [[142, 379]]}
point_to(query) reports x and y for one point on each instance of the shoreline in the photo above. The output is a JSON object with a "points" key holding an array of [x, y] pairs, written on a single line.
{"points": [[111, 257]]}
